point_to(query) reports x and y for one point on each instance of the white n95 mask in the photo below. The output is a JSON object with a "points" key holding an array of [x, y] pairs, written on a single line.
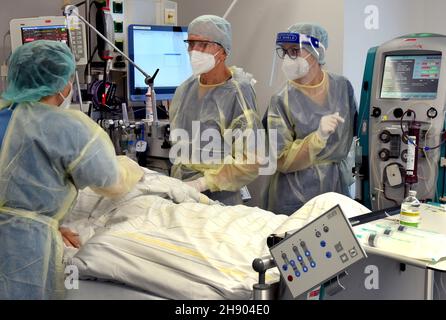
{"points": [[295, 69], [66, 100], [201, 62]]}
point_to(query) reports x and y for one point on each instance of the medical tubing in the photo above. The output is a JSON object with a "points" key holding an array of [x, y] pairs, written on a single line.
{"points": [[404, 133]]}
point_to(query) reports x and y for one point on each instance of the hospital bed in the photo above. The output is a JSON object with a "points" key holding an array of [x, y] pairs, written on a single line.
{"points": [[168, 240]]}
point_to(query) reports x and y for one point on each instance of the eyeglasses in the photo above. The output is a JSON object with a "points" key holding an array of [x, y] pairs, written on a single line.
{"points": [[292, 52], [199, 44]]}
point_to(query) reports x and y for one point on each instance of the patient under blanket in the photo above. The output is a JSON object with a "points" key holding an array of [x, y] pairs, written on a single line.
{"points": [[168, 239]]}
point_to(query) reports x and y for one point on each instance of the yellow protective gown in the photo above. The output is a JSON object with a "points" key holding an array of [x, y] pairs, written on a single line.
{"points": [[308, 165], [230, 105], [47, 154]]}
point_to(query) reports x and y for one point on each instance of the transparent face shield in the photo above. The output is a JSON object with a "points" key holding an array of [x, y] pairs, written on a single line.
{"points": [[294, 56]]}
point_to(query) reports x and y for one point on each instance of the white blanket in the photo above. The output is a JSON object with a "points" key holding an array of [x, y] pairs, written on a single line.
{"points": [[180, 248]]}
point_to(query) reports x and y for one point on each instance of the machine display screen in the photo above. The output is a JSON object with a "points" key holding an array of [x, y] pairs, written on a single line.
{"points": [[57, 33], [163, 48], [411, 77]]}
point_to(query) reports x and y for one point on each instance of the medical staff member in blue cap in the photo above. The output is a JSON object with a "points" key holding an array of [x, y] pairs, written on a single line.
{"points": [[219, 98], [47, 153], [314, 115]]}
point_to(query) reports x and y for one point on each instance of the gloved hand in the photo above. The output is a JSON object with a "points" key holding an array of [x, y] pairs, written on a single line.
{"points": [[198, 184], [70, 238], [328, 125]]}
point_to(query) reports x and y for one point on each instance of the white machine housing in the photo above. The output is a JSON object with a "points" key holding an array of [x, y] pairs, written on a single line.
{"points": [[387, 176], [317, 252], [76, 38]]}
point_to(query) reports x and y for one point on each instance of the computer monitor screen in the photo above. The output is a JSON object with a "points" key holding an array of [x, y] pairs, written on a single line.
{"points": [[158, 47], [411, 77], [57, 33]]}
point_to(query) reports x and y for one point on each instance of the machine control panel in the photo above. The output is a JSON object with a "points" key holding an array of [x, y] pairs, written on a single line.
{"points": [[78, 43], [317, 252]]}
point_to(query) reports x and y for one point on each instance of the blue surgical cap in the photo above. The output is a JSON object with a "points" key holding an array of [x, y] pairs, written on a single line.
{"points": [[316, 31], [213, 28], [38, 69]]}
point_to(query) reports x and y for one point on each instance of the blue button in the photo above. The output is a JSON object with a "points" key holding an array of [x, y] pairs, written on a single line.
{"points": [[299, 258], [285, 267], [292, 262], [305, 269], [307, 253], [297, 274], [323, 244], [313, 264], [328, 254]]}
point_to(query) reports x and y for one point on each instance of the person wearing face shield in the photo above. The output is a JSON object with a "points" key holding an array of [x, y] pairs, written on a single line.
{"points": [[218, 99], [47, 153], [314, 115]]}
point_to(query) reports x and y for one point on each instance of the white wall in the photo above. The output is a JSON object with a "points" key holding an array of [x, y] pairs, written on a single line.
{"points": [[434, 11], [255, 24]]}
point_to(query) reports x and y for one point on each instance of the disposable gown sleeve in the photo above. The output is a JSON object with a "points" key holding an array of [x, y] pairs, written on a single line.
{"points": [[129, 175], [293, 154], [97, 166], [234, 173]]}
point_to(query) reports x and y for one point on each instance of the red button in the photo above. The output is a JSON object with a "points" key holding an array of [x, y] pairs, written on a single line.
{"points": [[290, 278]]}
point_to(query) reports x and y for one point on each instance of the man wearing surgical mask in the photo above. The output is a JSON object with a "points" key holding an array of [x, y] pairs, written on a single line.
{"points": [[314, 115], [216, 99]]}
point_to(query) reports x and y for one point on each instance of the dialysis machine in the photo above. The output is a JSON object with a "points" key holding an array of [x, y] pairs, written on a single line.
{"points": [[401, 122]]}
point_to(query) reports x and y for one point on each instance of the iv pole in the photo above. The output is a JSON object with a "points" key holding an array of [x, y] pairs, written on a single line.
{"points": [[149, 80]]}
